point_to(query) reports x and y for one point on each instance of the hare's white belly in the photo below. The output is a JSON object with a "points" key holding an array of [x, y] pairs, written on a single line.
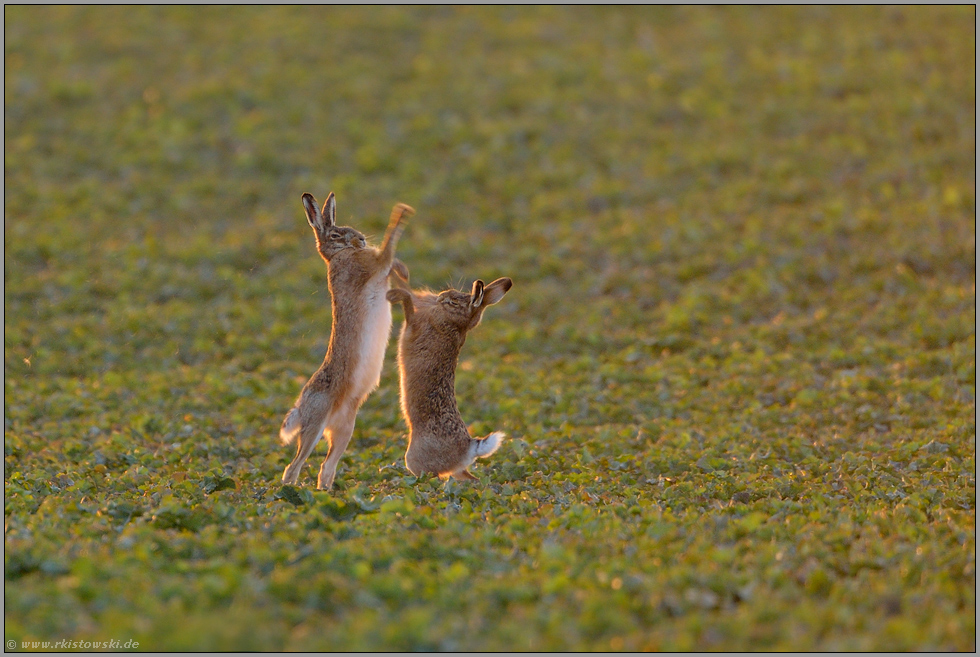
{"points": [[374, 338]]}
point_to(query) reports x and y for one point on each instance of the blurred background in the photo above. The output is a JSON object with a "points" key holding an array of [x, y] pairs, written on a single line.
{"points": [[652, 178], [627, 167]]}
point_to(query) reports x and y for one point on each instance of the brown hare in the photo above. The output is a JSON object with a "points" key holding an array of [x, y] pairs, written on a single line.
{"points": [[432, 336], [357, 276]]}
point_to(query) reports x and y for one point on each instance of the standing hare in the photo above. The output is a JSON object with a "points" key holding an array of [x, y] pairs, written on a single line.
{"points": [[435, 329], [357, 276]]}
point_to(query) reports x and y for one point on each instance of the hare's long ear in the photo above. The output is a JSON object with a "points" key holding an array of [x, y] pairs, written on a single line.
{"points": [[312, 213], [476, 296], [330, 210], [494, 292]]}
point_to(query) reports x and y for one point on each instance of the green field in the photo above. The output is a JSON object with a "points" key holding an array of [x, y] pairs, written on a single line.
{"points": [[737, 367]]}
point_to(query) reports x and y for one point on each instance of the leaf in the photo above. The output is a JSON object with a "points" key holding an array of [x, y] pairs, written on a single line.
{"points": [[338, 509], [217, 482], [295, 495], [177, 517]]}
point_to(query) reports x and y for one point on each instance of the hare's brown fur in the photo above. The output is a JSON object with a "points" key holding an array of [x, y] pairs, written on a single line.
{"points": [[357, 276], [433, 334]]}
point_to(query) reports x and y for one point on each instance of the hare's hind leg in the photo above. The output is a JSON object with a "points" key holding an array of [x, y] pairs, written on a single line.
{"points": [[341, 428], [309, 436]]}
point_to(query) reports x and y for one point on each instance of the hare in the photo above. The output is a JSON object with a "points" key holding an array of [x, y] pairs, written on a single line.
{"points": [[432, 336], [357, 276]]}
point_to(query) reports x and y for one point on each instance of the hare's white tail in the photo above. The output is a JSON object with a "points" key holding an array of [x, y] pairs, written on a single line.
{"points": [[484, 447], [290, 427]]}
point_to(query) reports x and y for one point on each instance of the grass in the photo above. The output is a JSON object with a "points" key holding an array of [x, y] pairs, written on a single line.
{"points": [[737, 367]]}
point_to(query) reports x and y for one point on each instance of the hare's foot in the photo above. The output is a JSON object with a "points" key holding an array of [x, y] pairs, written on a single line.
{"points": [[309, 436], [464, 475], [341, 429], [324, 480], [290, 475]]}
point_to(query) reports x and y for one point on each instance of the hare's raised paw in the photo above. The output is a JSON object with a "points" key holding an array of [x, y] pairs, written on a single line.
{"points": [[401, 211], [398, 295], [399, 269]]}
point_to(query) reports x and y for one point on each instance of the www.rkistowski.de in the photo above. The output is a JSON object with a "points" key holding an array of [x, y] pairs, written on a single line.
{"points": [[68, 644]]}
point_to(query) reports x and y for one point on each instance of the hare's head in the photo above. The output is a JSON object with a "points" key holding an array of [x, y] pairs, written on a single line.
{"points": [[465, 311], [331, 239]]}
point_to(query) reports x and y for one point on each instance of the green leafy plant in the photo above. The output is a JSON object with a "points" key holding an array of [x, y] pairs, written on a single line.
{"points": [[737, 368]]}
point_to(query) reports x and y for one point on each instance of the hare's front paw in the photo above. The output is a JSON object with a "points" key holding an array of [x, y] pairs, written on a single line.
{"points": [[399, 269], [401, 212]]}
